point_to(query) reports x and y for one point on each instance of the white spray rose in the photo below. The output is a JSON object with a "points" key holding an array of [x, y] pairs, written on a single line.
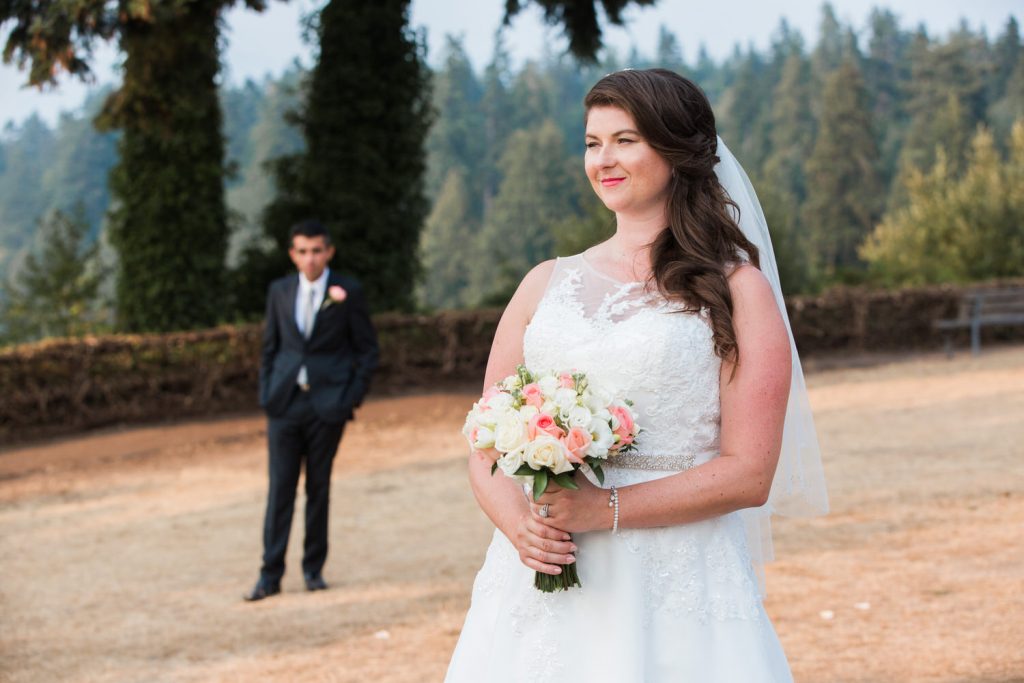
{"points": [[579, 416], [511, 461], [603, 438], [526, 412], [510, 432], [547, 451], [500, 402], [565, 399], [548, 385], [511, 383], [596, 398], [484, 439]]}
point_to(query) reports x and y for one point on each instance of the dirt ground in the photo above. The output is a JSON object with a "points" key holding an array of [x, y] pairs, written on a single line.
{"points": [[124, 554]]}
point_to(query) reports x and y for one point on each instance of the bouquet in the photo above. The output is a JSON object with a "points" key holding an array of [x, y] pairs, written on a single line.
{"points": [[543, 428]]}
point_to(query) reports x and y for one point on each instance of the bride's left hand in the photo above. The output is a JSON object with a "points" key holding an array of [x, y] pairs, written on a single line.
{"points": [[574, 511]]}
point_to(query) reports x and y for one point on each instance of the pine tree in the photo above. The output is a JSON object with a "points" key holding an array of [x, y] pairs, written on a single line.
{"points": [[364, 124], [535, 195], [454, 139], [956, 228], [55, 293], [843, 187], [448, 244], [169, 222], [782, 186]]}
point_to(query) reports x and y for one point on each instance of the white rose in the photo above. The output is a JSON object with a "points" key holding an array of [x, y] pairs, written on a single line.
{"points": [[500, 402], [526, 412], [597, 398], [484, 439], [512, 382], [578, 416], [549, 407], [510, 431], [547, 451], [603, 438], [548, 385], [510, 462], [565, 399]]}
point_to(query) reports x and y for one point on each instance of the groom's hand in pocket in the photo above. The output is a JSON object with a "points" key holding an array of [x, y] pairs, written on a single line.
{"points": [[542, 547]]}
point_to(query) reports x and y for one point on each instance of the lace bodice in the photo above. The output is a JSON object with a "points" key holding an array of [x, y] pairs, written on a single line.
{"points": [[639, 346]]}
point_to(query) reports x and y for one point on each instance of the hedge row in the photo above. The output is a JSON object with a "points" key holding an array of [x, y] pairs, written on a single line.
{"points": [[61, 386]]}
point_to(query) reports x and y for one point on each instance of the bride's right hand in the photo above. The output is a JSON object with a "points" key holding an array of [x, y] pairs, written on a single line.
{"points": [[541, 547]]}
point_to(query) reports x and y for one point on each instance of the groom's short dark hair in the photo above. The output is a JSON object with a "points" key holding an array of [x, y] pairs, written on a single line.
{"points": [[310, 228]]}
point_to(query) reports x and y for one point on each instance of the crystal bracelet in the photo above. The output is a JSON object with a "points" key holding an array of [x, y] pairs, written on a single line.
{"points": [[613, 502]]}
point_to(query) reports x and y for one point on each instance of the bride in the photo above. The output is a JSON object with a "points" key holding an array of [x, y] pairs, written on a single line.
{"points": [[681, 312]]}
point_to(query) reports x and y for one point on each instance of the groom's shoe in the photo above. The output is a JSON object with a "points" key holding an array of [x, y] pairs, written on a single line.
{"points": [[315, 582], [262, 589]]}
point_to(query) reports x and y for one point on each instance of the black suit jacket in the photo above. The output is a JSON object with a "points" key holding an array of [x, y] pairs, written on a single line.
{"points": [[339, 356]]}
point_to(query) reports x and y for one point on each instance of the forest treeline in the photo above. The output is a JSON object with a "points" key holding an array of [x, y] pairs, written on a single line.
{"points": [[882, 155]]}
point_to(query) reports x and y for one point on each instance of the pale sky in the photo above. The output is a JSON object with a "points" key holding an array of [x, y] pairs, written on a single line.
{"points": [[261, 44]]}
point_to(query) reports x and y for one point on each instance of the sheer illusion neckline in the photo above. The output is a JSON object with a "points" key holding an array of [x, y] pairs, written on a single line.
{"points": [[594, 269]]}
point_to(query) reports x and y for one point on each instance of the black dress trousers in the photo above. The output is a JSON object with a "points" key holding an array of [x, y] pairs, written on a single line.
{"points": [[298, 435]]}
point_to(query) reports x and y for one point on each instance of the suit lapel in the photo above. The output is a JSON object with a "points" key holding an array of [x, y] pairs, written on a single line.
{"points": [[291, 290]]}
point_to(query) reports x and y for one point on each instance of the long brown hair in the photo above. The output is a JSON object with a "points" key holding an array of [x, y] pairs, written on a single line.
{"points": [[691, 255]]}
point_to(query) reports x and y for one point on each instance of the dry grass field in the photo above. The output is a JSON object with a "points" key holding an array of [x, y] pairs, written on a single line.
{"points": [[124, 554]]}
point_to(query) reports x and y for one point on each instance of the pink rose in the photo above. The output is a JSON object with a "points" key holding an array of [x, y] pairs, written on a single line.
{"points": [[625, 430], [576, 443], [566, 381], [533, 396], [337, 293], [542, 423]]}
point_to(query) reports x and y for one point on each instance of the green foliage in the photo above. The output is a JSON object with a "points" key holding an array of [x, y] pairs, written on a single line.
{"points": [[535, 196], [844, 192], [169, 222], [956, 229], [446, 245], [364, 124], [56, 291], [578, 18]]}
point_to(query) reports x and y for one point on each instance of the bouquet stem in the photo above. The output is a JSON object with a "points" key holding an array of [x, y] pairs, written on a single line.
{"points": [[549, 583]]}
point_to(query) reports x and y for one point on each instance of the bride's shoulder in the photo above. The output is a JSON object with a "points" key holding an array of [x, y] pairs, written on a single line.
{"points": [[531, 289]]}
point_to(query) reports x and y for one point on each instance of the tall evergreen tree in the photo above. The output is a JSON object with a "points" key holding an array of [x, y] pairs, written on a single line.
{"points": [[365, 122], [448, 245], [885, 76], [22, 193], [535, 195], [454, 139], [843, 187], [496, 106], [956, 227], [169, 225], [56, 291]]}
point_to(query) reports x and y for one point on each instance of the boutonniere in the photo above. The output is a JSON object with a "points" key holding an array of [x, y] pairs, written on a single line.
{"points": [[335, 295]]}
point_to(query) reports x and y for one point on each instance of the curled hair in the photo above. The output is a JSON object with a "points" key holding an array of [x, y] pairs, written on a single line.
{"points": [[691, 257]]}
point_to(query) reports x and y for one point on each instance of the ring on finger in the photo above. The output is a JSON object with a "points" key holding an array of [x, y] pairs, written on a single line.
{"points": [[545, 510]]}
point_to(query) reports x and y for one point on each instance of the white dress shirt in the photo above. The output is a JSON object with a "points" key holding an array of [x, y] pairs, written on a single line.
{"points": [[319, 288]]}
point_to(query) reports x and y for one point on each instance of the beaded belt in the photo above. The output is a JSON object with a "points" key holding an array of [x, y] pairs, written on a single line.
{"points": [[662, 463]]}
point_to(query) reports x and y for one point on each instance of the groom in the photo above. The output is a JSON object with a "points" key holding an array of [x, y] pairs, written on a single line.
{"points": [[319, 350]]}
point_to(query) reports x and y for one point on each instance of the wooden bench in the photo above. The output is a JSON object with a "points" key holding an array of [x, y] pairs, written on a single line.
{"points": [[980, 308]]}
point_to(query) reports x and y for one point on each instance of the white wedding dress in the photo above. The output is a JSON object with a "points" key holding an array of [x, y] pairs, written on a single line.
{"points": [[659, 605]]}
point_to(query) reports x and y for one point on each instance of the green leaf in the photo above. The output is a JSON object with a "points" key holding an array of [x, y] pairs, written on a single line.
{"points": [[598, 472], [566, 481], [494, 468], [525, 471], [540, 484]]}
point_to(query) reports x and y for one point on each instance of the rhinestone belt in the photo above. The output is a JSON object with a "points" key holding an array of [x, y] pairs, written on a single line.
{"points": [[662, 463]]}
